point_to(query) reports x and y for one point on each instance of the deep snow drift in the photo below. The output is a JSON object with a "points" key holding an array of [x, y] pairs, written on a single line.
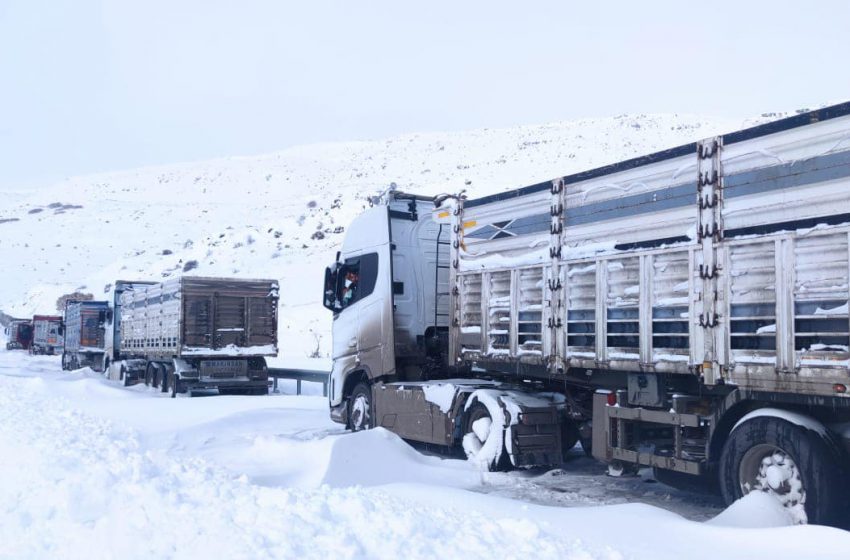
{"points": [[90, 469]]}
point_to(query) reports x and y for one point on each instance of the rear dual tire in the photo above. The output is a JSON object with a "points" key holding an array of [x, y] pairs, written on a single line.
{"points": [[799, 466]]}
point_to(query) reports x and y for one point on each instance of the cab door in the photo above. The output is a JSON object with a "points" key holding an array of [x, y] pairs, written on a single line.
{"points": [[363, 325]]}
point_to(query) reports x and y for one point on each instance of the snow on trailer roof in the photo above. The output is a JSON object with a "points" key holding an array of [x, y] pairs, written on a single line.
{"points": [[788, 123]]}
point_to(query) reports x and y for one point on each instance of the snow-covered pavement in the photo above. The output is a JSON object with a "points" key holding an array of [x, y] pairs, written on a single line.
{"points": [[90, 469]]}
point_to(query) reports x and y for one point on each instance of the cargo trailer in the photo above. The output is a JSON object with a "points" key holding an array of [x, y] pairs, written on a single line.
{"points": [[193, 333], [84, 330], [686, 310], [47, 334]]}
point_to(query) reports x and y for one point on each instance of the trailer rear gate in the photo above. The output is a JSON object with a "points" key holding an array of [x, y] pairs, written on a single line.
{"points": [[199, 317], [245, 317]]}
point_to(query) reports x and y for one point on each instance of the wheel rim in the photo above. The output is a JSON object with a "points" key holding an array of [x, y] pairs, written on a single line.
{"points": [[768, 468], [360, 412]]}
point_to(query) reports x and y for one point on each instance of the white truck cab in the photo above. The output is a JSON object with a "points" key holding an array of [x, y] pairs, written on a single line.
{"points": [[388, 293]]}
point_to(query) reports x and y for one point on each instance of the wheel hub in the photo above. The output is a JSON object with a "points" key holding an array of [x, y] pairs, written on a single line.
{"points": [[767, 468], [359, 412]]}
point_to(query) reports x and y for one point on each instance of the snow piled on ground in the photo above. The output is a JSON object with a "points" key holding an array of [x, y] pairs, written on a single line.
{"points": [[94, 470], [282, 215]]}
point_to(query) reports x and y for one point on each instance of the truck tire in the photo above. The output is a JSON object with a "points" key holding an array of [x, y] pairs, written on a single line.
{"points": [[65, 365], [360, 408], [174, 384], [163, 377], [123, 375], [801, 467], [476, 432], [149, 374]]}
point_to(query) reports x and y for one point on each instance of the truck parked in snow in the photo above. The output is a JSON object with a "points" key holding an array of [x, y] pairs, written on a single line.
{"points": [[47, 334], [685, 310], [113, 364], [194, 333], [84, 329], [18, 334]]}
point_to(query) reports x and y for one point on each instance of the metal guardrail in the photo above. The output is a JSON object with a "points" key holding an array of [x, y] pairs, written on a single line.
{"points": [[299, 375]]}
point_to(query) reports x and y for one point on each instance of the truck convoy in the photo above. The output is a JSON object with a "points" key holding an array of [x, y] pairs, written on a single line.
{"points": [[85, 332], [193, 333], [47, 334], [18, 334], [685, 310]]}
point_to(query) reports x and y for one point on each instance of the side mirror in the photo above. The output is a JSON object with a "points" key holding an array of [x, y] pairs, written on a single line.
{"points": [[61, 329], [109, 315], [329, 299]]}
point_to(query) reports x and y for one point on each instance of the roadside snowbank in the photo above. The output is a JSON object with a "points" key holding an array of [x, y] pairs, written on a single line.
{"points": [[89, 469]]}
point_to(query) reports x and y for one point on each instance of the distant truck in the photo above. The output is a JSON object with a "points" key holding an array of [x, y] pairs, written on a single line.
{"points": [[84, 332], [47, 334], [112, 357], [19, 334], [194, 333]]}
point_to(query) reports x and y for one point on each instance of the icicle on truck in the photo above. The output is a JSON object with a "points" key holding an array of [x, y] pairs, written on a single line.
{"points": [[192, 333], [686, 310]]}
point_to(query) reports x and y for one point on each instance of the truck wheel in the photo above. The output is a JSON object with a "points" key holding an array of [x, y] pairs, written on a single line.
{"points": [[360, 408], [170, 383], [163, 377], [799, 466], [123, 375], [149, 374], [477, 431], [64, 362]]}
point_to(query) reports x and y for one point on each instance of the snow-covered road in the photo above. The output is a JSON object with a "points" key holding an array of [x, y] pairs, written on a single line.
{"points": [[90, 469]]}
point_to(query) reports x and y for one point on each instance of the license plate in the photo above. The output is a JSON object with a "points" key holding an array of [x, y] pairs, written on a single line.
{"points": [[224, 368]]}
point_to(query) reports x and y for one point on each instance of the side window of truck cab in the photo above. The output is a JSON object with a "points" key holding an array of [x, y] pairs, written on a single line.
{"points": [[356, 279]]}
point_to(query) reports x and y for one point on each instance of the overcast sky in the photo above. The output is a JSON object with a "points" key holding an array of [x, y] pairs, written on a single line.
{"points": [[95, 85]]}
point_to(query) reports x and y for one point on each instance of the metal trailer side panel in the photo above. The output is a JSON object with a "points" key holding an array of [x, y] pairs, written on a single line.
{"points": [[84, 326], [730, 261]]}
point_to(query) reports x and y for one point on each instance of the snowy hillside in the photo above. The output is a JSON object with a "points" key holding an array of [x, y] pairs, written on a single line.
{"points": [[282, 215]]}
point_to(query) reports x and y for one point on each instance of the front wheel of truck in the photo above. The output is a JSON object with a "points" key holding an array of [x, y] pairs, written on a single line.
{"points": [[360, 408]]}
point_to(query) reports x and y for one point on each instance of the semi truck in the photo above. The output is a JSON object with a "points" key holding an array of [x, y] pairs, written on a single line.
{"points": [[47, 334], [18, 334], [686, 311], [84, 330], [192, 333], [114, 366]]}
